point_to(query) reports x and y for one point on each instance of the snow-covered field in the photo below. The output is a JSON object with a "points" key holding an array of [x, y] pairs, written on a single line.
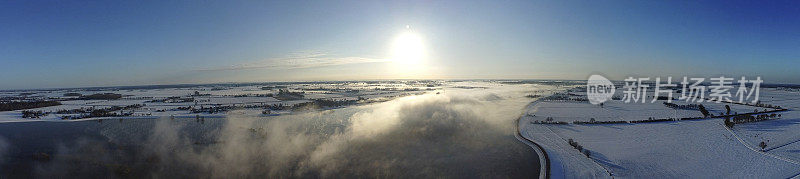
{"points": [[697, 148], [461, 129], [174, 100], [782, 136], [569, 111], [702, 148]]}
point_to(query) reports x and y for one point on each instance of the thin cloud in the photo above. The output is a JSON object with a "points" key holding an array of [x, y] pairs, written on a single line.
{"points": [[297, 61]]}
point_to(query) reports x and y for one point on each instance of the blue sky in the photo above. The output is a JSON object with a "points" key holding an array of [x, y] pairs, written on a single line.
{"points": [[104, 43]]}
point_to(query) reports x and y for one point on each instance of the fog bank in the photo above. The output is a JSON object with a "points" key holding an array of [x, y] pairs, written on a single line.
{"points": [[458, 133]]}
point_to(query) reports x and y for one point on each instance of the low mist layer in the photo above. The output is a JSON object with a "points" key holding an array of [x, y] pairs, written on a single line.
{"points": [[458, 133]]}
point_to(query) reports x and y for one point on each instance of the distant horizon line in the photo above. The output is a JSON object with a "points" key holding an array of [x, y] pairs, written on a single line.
{"points": [[181, 85], [254, 82]]}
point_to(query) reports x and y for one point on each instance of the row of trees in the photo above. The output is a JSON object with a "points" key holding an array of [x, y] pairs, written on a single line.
{"points": [[113, 111], [593, 121], [102, 96], [17, 105], [73, 94], [745, 118], [549, 120], [317, 103], [686, 107], [579, 147], [173, 99], [32, 114], [565, 97], [651, 119], [329, 103], [212, 109], [95, 110], [285, 95], [533, 96]]}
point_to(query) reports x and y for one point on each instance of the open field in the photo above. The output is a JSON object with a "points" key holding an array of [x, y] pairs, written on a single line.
{"points": [[190, 101], [698, 147], [456, 129]]}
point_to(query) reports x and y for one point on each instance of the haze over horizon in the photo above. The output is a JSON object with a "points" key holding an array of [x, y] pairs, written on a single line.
{"points": [[54, 44]]}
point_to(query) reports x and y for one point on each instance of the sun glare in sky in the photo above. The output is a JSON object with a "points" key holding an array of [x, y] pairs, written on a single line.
{"points": [[408, 48], [408, 55]]}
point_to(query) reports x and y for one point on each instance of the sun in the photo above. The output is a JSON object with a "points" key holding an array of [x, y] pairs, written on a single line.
{"points": [[408, 48]]}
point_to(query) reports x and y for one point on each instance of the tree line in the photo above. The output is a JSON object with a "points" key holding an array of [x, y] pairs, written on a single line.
{"points": [[17, 105]]}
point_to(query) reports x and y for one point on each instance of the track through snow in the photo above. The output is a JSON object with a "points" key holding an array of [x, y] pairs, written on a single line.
{"points": [[565, 140], [561, 158], [676, 149], [763, 152], [776, 147]]}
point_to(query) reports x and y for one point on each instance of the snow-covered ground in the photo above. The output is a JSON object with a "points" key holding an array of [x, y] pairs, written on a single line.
{"points": [[618, 110], [781, 136], [674, 149], [199, 96], [569, 111], [458, 130]]}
